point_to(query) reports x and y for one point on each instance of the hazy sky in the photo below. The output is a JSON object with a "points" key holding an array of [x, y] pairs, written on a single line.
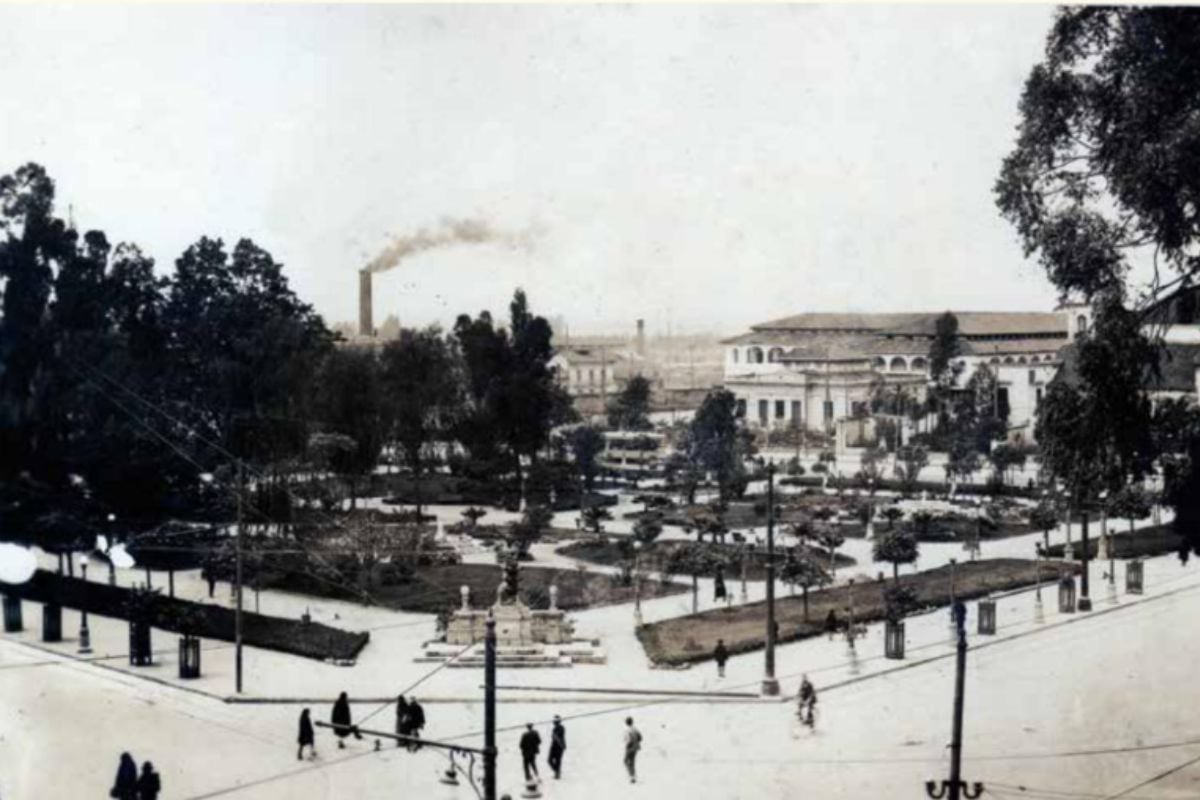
{"points": [[712, 165]]}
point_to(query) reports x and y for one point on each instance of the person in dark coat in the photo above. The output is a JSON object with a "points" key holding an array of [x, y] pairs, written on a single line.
{"points": [[402, 720], [721, 655], [306, 737], [831, 623], [416, 722], [340, 719], [125, 785], [531, 743], [719, 592], [558, 744], [149, 785]]}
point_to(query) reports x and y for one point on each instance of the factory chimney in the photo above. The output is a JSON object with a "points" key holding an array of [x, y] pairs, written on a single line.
{"points": [[641, 337], [366, 323]]}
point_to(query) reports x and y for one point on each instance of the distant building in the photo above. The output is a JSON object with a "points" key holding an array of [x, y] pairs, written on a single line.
{"points": [[811, 370]]}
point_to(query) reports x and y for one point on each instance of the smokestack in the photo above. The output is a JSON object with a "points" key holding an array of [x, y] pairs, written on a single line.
{"points": [[366, 323], [641, 337]]}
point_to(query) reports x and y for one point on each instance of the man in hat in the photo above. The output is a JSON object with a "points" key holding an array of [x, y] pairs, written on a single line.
{"points": [[531, 743], [558, 743]]}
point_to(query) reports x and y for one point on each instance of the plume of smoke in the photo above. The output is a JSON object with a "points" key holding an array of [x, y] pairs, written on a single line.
{"points": [[448, 233]]}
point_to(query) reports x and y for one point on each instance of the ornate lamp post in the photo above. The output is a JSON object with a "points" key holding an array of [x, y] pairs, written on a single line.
{"points": [[85, 636]]}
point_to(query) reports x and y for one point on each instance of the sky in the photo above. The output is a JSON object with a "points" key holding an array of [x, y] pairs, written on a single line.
{"points": [[701, 167]]}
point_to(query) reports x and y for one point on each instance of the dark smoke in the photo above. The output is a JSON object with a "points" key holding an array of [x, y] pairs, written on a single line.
{"points": [[449, 233]]}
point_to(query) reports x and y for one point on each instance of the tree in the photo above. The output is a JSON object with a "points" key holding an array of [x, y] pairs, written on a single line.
{"points": [[831, 540], [421, 397], [594, 518], [892, 514], [896, 547], [800, 569], [695, 560], [1005, 458], [922, 522], [1044, 517], [898, 602], [630, 410], [910, 460], [1131, 503], [347, 401], [529, 528], [586, 442], [473, 515], [944, 366], [716, 441], [647, 529]]}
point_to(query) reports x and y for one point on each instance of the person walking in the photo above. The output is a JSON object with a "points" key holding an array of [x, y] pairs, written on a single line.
{"points": [[558, 744], [721, 655], [210, 576], [633, 743], [125, 785], [831, 624], [340, 718], [306, 737], [149, 785], [531, 743], [416, 723], [403, 718]]}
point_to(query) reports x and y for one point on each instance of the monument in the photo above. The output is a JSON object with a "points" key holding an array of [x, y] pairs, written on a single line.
{"points": [[525, 637]]}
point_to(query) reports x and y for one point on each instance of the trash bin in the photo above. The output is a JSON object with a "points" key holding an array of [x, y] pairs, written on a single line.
{"points": [[987, 617], [1134, 576], [893, 640], [189, 657], [12, 614], [1066, 595], [139, 644], [51, 622]]}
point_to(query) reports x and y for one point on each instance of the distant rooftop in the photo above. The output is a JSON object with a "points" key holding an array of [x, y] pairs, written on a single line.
{"points": [[970, 323]]}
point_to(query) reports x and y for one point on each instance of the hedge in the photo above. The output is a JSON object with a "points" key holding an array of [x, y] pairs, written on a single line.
{"points": [[308, 639]]}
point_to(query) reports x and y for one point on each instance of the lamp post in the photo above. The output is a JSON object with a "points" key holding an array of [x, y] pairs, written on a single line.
{"points": [[743, 560], [637, 583], [770, 686], [1085, 602], [953, 601], [85, 636], [1039, 615], [112, 570]]}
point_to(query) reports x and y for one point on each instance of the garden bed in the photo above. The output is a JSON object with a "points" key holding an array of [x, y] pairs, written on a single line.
{"points": [[692, 638], [1156, 540], [435, 589], [652, 556], [308, 639]]}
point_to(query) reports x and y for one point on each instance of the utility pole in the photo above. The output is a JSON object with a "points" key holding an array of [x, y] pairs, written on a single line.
{"points": [[770, 686], [237, 614], [1085, 602], [955, 788], [489, 709]]}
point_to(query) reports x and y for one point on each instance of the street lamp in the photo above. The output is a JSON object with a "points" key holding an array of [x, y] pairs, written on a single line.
{"points": [[637, 583], [953, 600], [85, 636]]}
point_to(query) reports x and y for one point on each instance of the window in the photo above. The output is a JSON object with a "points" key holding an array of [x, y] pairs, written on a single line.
{"points": [[1081, 324], [780, 406], [763, 407], [1002, 402], [858, 408], [880, 362], [591, 377], [1037, 399], [1032, 377], [829, 411], [774, 354], [754, 355], [918, 363], [741, 406], [898, 364], [735, 355], [795, 413]]}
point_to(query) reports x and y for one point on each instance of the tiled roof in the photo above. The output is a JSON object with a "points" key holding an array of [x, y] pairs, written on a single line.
{"points": [[837, 322], [970, 323]]}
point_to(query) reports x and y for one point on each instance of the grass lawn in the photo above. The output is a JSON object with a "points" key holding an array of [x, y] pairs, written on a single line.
{"points": [[608, 553], [1153, 541], [692, 638]]}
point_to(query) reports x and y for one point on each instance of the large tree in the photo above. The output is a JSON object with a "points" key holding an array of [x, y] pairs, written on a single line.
{"points": [[421, 395], [630, 410], [718, 443], [347, 402]]}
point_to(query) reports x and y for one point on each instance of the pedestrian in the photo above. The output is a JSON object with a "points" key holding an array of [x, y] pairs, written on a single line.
{"points": [[831, 623], [340, 718], [721, 655], [531, 743], [558, 744], [306, 737], [402, 720], [775, 630], [211, 577], [125, 785], [416, 722], [149, 785], [719, 592], [633, 743]]}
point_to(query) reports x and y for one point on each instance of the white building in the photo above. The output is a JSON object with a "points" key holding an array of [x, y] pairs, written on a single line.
{"points": [[811, 370]]}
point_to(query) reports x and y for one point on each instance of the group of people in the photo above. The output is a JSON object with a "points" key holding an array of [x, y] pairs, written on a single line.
{"points": [[410, 721], [531, 745], [129, 785]]}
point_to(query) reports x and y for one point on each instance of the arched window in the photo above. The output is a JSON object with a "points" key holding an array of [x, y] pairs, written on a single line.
{"points": [[735, 355], [1081, 324], [774, 354], [1008, 359], [1022, 360], [995, 360], [898, 364], [754, 355], [880, 362], [918, 363]]}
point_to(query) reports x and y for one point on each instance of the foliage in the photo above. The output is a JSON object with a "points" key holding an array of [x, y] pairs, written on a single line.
{"points": [[647, 529], [594, 518], [586, 443], [630, 410], [910, 460], [717, 442], [896, 547], [892, 514], [530, 527], [473, 515], [898, 602]]}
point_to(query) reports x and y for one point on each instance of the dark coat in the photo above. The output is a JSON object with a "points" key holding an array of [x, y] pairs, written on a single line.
{"points": [[558, 738], [148, 786], [416, 715], [125, 785], [403, 717], [306, 730], [341, 717], [531, 743], [721, 655]]}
